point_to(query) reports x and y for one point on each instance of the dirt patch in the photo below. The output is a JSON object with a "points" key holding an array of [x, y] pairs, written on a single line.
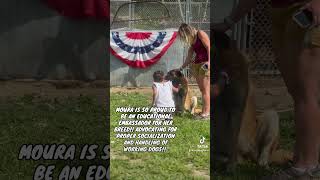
{"points": [[136, 161], [194, 90], [198, 173], [54, 89], [116, 156], [131, 90], [269, 93], [272, 93], [276, 98]]}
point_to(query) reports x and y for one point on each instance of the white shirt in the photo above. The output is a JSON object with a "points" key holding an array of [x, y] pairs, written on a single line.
{"points": [[164, 97]]}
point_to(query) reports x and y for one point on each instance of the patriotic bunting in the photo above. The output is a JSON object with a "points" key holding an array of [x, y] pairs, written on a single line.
{"points": [[140, 49]]}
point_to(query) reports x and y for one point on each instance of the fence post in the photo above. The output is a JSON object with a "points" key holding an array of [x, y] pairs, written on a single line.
{"points": [[130, 15], [188, 7]]}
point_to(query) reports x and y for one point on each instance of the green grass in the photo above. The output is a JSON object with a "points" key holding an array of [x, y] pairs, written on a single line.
{"points": [[176, 163], [250, 170], [33, 120]]}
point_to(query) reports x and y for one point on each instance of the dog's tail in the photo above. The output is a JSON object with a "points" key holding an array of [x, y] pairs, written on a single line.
{"points": [[194, 103]]}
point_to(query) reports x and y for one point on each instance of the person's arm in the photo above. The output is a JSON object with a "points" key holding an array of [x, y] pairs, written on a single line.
{"points": [[154, 94], [174, 89], [243, 7], [188, 59], [206, 43]]}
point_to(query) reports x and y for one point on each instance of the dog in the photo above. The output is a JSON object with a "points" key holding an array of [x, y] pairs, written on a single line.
{"points": [[183, 99], [259, 135], [238, 132]]}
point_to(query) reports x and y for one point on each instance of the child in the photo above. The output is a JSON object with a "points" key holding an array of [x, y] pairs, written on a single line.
{"points": [[162, 91]]}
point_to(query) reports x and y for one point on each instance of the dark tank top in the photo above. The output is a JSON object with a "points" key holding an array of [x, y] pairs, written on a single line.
{"points": [[200, 50]]}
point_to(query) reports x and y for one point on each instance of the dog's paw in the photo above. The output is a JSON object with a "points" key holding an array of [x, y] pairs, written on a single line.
{"points": [[263, 161], [194, 103]]}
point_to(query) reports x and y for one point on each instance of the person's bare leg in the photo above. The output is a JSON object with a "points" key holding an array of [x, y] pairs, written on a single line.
{"points": [[200, 85], [307, 110], [204, 86], [206, 94], [300, 70]]}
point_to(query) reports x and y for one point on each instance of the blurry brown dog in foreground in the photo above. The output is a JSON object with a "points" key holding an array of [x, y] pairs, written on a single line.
{"points": [[184, 100], [238, 132], [259, 136]]}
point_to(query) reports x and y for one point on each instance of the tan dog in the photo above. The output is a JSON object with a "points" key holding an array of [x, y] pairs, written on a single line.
{"points": [[258, 136], [184, 100]]}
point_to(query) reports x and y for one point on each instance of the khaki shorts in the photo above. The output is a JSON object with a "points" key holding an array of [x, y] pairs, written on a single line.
{"points": [[197, 71], [288, 40], [286, 31]]}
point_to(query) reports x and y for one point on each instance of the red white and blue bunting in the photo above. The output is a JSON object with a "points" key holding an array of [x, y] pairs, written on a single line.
{"points": [[140, 49]]}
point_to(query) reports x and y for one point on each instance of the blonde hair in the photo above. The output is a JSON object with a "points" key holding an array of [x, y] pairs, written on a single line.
{"points": [[186, 33]]}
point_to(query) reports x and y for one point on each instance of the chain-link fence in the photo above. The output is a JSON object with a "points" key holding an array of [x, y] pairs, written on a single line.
{"points": [[254, 36], [253, 33], [160, 15], [149, 15], [164, 14], [260, 42]]}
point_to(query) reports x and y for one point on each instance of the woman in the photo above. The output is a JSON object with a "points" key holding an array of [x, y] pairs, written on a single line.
{"points": [[198, 43], [298, 62]]}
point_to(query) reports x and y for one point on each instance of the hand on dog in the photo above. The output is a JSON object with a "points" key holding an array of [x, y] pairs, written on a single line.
{"points": [[176, 89]]}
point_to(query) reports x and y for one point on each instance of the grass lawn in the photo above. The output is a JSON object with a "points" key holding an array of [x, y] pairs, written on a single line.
{"points": [[81, 120], [33, 120], [176, 163], [249, 170]]}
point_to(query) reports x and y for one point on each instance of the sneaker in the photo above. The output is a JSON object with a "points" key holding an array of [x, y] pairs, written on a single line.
{"points": [[314, 173]]}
